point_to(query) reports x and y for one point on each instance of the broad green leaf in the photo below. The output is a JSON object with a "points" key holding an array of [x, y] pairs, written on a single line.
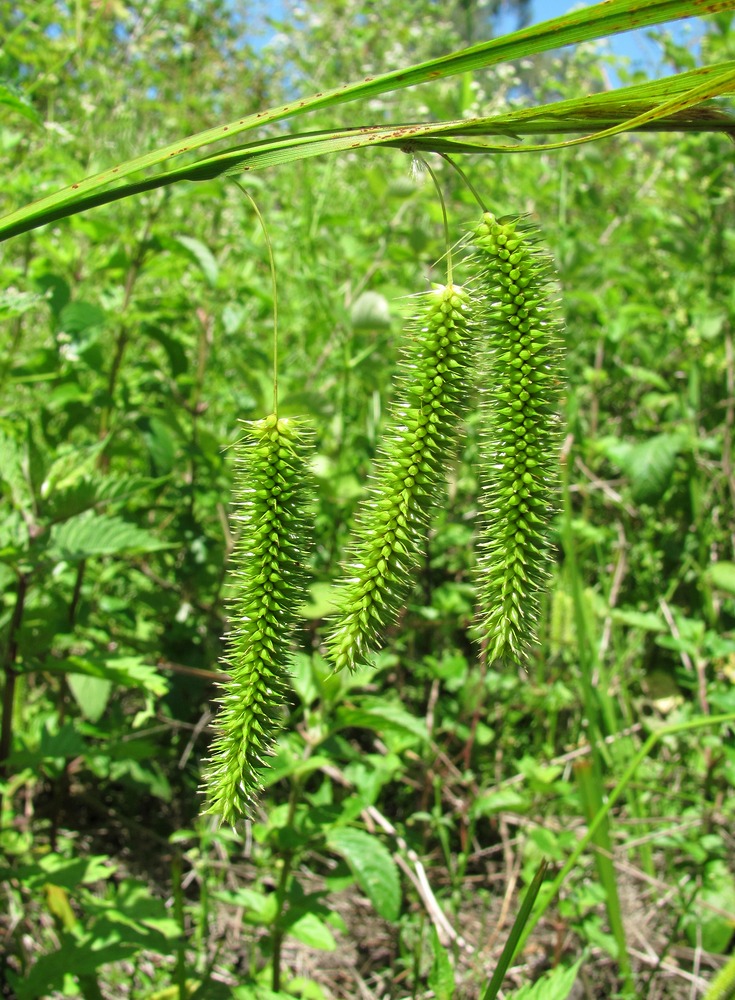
{"points": [[57, 901], [76, 317], [504, 800], [90, 534], [284, 765], [711, 922], [66, 873], [555, 985], [722, 576], [260, 907], [313, 932], [91, 694], [82, 954], [649, 464], [381, 716], [61, 744], [375, 870], [12, 98]]}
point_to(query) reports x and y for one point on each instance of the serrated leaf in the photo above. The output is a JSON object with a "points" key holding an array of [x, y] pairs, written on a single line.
{"points": [[125, 671], [70, 467], [12, 456], [650, 465], [14, 302], [374, 868], [91, 534]]}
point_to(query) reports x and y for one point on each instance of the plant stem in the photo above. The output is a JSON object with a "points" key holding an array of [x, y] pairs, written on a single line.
{"points": [[11, 674]]}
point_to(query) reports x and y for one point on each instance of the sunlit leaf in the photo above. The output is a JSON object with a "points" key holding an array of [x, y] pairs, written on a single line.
{"points": [[374, 868]]}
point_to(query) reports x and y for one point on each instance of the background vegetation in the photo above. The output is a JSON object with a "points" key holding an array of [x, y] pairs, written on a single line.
{"points": [[409, 805]]}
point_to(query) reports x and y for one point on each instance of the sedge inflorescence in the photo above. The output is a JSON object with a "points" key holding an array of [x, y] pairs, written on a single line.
{"points": [[410, 477], [271, 497], [520, 401]]}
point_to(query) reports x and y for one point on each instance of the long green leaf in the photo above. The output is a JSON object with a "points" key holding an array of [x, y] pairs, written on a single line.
{"points": [[511, 945], [702, 722], [603, 19], [607, 113]]}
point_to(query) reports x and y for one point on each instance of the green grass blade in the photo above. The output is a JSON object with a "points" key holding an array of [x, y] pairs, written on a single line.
{"points": [[600, 20], [511, 945], [592, 803], [703, 722], [606, 114]]}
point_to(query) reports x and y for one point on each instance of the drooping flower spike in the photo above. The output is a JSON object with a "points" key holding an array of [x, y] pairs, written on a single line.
{"points": [[410, 478], [272, 494], [522, 375]]}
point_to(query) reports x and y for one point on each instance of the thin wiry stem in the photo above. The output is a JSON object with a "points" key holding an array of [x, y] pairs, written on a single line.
{"points": [[272, 262]]}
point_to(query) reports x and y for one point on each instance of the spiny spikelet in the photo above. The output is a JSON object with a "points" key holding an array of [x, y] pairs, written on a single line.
{"points": [[522, 383], [392, 523], [272, 493]]}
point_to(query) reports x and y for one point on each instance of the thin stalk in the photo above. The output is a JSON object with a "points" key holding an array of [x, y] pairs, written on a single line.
{"points": [[274, 285], [61, 782], [9, 670], [180, 970], [628, 774], [596, 699], [592, 803], [289, 856], [445, 217], [468, 183], [123, 336]]}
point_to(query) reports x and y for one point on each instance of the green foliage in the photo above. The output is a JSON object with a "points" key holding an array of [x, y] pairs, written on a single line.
{"points": [[136, 335]]}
